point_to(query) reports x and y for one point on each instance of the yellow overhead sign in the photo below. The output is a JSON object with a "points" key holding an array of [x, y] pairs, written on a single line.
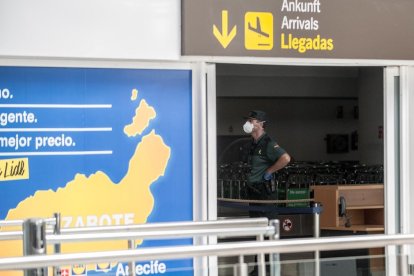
{"points": [[224, 37], [258, 29]]}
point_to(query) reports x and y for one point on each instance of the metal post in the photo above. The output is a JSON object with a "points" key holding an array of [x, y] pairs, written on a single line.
{"points": [[57, 246], [316, 234], [316, 223], [131, 245], [241, 268], [403, 265], [261, 259], [275, 257], [34, 243]]}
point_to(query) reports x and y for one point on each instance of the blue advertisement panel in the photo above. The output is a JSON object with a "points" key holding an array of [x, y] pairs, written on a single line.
{"points": [[101, 147]]}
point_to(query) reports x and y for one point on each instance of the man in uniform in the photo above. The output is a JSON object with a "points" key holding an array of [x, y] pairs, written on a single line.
{"points": [[265, 158]]}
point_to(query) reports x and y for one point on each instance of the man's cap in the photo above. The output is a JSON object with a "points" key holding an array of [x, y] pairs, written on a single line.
{"points": [[258, 115]]}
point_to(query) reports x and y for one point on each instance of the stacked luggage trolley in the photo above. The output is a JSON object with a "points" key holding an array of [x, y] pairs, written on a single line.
{"points": [[292, 197]]}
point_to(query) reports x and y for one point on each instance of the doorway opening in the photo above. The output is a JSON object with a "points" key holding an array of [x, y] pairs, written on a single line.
{"points": [[330, 121]]}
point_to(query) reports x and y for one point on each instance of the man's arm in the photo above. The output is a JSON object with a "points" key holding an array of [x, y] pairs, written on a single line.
{"points": [[279, 164]]}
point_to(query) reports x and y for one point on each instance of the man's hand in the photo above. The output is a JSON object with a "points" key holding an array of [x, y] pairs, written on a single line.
{"points": [[267, 176]]}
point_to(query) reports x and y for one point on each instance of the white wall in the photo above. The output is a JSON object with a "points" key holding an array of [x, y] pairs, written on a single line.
{"points": [[125, 29]]}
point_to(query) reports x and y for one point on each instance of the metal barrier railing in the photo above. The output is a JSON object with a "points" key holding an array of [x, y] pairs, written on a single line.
{"points": [[180, 225], [162, 234], [36, 237], [168, 226], [19, 222], [226, 249]]}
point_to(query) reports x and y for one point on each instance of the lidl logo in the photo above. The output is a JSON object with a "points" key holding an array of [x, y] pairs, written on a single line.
{"points": [[258, 29], [78, 270]]}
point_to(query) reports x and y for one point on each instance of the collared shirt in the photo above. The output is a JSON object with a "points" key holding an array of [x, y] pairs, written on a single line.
{"points": [[263, 153]]}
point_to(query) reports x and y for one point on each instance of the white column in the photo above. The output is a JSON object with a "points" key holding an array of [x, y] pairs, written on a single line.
{"points": [[391, 162], [407, 156], [210, 109], [200, 185]]}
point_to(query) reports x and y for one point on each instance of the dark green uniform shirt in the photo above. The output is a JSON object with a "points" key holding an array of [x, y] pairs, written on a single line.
{"points": [[263, 154]]}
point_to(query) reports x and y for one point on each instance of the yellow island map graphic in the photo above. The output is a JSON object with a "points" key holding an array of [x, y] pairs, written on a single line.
{"points": [[96, 200]]}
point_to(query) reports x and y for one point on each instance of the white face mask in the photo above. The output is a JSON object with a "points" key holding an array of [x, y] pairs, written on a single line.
{"points": [[248, 127]]}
